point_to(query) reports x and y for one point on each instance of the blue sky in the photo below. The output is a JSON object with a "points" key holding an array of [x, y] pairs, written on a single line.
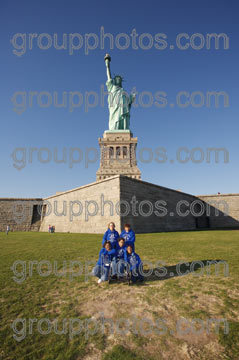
{"points": [[148, 70]]}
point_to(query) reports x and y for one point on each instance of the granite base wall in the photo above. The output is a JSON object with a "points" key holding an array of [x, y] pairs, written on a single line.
{"points": [[227, 216], [19, 215], [89, 209], [148, 217]]}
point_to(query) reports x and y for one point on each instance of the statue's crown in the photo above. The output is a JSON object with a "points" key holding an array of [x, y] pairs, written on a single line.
{"points": [[117, 75]]}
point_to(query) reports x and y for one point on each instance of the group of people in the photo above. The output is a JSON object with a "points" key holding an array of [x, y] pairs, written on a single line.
{"points": [[51, 229], [118, 255]]}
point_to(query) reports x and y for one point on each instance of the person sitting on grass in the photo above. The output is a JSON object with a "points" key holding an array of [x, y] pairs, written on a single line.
{"points": [[129, 235], [111, 235], [135, 264], [101, 270], [121, 258]]}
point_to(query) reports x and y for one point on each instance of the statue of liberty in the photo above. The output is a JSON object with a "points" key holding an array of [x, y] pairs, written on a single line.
{"points": [[119, 102]]}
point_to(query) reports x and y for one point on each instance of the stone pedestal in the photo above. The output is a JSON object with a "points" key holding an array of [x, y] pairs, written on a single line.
{"points": [[118, 155]]}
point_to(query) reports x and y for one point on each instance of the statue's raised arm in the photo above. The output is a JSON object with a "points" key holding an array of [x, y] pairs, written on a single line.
{"points": [[107, 63]]}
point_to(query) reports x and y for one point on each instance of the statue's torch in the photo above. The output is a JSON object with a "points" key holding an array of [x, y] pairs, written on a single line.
{"points": [[107, 59]]}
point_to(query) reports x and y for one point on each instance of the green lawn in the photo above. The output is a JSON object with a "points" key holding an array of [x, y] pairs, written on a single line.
{"points": [[26, 294]]}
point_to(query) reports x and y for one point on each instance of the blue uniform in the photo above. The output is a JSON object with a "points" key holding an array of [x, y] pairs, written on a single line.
{"points": [[120, 261], [134, 261], [105, 257], [111, 236], [129, 237], [121, 252], [102, 268]]}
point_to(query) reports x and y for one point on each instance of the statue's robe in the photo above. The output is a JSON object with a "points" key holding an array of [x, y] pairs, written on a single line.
{"points": [[119, 103]]}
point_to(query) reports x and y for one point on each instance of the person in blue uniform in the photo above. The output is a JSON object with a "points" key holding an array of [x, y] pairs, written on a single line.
{"points": [[111, 235], [106, 255], [121, 257], [135, 264], [129, 235]]}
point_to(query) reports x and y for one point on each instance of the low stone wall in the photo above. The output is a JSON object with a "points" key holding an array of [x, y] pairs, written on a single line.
{"points": [[87, 209], [227, 215], [175, 205], [20, 214], [120, 190]]}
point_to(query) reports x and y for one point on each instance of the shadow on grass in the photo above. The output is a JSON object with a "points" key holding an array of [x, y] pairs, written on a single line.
{"points": [[183, 269]]}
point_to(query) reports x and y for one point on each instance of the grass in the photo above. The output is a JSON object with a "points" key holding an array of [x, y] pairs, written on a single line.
{"points": [[119, 352], [153, 309]]}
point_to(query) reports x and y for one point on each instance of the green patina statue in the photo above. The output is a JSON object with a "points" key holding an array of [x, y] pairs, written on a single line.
{"points": [[119, 101]]}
